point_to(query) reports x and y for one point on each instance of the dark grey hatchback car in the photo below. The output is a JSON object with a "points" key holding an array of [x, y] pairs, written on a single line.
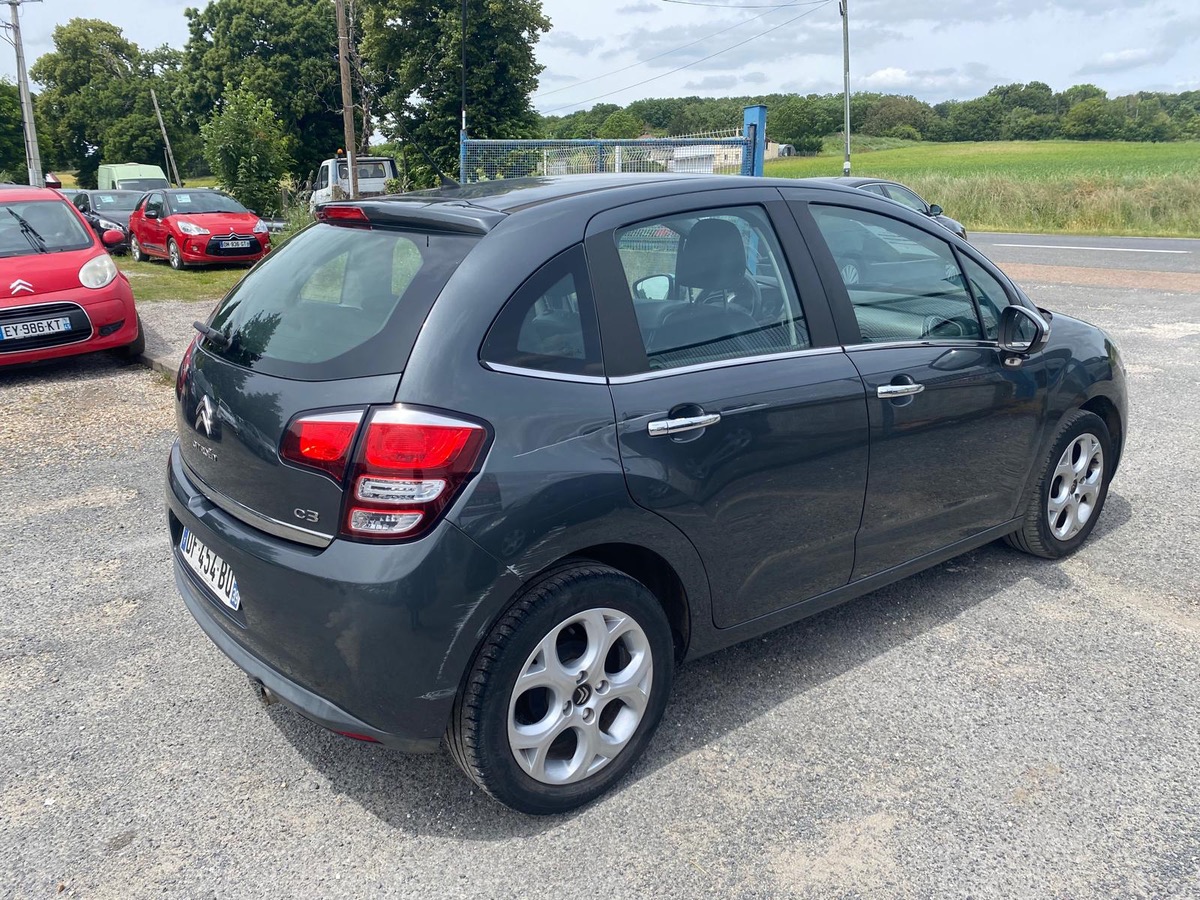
{"points": [[485, 464]]}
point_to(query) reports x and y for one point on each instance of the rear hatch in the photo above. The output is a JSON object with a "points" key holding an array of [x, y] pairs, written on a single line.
{"points": [[325, 323]]}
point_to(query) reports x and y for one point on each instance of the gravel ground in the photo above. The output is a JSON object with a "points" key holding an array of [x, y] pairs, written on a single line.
{"points": [[995, 727], [168, 325]]}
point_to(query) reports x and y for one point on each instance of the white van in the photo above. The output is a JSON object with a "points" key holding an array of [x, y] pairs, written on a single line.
{"points": [[131, 177], [373, 175]]}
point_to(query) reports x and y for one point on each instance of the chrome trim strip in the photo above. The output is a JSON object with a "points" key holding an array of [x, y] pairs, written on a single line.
{"points": [[539, 373], [79, 306], [258, 520], [723, 364], [892, 345]]}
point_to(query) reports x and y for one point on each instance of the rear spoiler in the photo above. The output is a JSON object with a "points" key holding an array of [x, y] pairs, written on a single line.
{"points": [[451, 217]]}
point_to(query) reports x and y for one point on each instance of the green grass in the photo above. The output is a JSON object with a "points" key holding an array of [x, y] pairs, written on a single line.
{"points": [[1092, 187], [158, 281]]}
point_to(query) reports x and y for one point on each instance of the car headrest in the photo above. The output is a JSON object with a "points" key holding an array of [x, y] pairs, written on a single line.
{"points": [[713, 256]]}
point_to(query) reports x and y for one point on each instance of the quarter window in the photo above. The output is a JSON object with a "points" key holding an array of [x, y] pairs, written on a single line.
{"points": [[709, 286], [904, 284], [549, 324]]}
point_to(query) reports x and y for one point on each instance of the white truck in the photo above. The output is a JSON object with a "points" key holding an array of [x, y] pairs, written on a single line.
{"points": [[373, 175]]}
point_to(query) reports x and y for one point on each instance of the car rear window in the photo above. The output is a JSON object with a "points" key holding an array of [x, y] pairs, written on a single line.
{"points": [[336, 302], [40, 226]]}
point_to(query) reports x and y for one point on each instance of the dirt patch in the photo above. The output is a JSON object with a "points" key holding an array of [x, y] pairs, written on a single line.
{"points": [[1170, 282]]}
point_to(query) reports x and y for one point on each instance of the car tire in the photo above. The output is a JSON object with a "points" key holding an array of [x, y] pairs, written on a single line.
{"points": [[567, 712], [1065, 504], [137, 346], [135, 250], [174, 256]]}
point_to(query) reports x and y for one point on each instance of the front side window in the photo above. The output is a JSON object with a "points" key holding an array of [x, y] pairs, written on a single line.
{"points": [[709, 286], [549, 324], [40, 226], [904, 284], [905, 197], [154, 204], [989, 293]]}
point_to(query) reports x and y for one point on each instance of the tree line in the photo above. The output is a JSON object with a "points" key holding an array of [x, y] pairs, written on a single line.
{"points": [[1019, 112], [254, 94]]}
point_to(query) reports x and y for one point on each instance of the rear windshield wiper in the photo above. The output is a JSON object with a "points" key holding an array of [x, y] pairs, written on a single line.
{"points": [[36, 241], [216, 335]]}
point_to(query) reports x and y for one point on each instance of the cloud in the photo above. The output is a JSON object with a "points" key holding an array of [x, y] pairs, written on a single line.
{"points": [[755, 78], [1172, 37], [572, 42], [634, 9], [713, 83]]}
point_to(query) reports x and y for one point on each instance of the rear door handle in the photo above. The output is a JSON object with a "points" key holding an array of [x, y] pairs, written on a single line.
{"points": [[888, 391], [675, 426]]}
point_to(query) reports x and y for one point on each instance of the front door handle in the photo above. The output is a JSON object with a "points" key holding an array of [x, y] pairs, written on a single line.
{"points": [[890, 391], [688, 423]]}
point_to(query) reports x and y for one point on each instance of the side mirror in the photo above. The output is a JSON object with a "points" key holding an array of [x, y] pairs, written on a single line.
{"points": [[151, 214], [112, 237], [654, 287], [934, 209], [1022, 333]]}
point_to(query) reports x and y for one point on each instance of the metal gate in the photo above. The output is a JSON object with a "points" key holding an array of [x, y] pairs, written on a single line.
{"points": [[727, 153]]}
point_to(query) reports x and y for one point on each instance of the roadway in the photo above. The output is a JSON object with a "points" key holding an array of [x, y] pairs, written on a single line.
{"points": [[1147, 254]]}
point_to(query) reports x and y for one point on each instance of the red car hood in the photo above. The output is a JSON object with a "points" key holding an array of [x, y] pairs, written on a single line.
{"points": [[221, 223], [44, 272]]}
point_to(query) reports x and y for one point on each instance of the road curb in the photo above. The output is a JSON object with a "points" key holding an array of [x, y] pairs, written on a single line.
{"points": [[156, 363]]}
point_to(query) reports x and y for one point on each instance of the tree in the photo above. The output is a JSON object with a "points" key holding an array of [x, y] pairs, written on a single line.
{"points": [[419, 42], [889, 113], [976, 120], [283, 50], [797, 121], [247, 149], [1093, 119], [621, 124], [12, 140]]}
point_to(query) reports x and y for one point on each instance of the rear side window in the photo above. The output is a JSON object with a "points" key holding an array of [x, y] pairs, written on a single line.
{"points": [[337, 302], [549, 324]]}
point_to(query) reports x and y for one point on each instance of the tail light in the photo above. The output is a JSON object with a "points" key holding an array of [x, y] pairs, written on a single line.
{"points": [[409, 467], [353, 216], [183, 365], [322, 441]]}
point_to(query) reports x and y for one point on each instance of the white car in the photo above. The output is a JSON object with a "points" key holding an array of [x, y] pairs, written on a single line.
{"points": [[373, 175]]}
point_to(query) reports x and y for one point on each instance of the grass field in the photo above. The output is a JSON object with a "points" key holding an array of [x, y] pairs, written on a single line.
{"points": [[158, 281], [1093, 187]]}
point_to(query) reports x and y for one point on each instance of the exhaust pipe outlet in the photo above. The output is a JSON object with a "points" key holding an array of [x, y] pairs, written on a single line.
{"points": [[265, 695]]}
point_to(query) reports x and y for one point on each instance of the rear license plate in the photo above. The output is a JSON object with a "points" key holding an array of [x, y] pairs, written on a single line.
{"points": [[212, 570], [34, 328], [234, 245]]}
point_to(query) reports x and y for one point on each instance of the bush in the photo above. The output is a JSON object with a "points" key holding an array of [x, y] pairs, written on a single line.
{"points": [[904, 132], [247, 150]]}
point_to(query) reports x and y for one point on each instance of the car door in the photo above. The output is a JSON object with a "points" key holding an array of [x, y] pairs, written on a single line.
{"points": [[83, 204], [154, 228], [739, 419], [953, 427]]}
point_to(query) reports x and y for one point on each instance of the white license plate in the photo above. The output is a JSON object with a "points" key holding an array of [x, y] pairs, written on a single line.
{"points": [[18, 330], [234, 245], [213, 570]]}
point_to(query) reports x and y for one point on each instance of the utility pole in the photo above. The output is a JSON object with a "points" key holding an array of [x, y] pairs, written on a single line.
{"points": [[33, 157], [462, 130], [166, 140], [347, 96], [844, 8]]}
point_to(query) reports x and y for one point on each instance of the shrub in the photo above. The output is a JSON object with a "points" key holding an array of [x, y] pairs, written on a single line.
{"points": [[247, 150]]}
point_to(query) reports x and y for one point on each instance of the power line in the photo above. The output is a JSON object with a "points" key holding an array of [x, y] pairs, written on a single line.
{"points": [[714, 34], [694, 62]]}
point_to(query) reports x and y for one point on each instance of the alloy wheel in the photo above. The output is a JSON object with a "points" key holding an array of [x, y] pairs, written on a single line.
{"points": [[580, 696], [1075, 487]]}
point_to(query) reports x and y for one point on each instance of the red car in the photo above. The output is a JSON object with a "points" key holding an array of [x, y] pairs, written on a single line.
{"points": [[196, 227], [60, 291]]}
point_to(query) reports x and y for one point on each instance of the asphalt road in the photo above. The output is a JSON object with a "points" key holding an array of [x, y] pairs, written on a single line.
{"points": [[996, 727], [1145, 254]]}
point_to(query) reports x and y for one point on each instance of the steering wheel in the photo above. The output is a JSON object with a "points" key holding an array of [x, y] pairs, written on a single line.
{"points": [[939, 326]]}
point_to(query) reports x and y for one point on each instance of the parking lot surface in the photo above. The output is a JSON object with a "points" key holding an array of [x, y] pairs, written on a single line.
{"points": [[996, 727]]}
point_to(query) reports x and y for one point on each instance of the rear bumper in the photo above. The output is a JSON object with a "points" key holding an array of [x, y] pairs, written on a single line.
{"points": [[105, 308], [360, 638]]}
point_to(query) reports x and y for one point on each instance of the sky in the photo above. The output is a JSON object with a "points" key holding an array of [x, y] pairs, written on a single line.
{"points": [[617, 51]]}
